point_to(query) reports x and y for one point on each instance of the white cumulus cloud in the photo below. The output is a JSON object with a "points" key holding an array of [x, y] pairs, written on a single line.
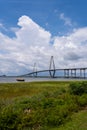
{"points": [[32, 43]]}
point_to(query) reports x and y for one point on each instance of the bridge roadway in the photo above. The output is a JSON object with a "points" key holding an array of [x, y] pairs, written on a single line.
{"points": [[67, 73]]}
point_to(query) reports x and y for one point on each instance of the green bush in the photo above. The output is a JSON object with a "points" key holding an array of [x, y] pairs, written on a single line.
{"points": [[78, 88], [9, 119], [82, 100]]}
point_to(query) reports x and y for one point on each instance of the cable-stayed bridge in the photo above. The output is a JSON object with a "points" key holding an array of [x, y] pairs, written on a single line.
{"points": [[59, 73]]}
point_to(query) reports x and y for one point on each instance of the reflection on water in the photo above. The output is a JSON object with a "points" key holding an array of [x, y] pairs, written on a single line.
{"points": [[28, 79]]}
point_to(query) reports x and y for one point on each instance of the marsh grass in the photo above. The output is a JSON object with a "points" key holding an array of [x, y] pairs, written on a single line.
{"points": [[38, 105], [12, 90]]}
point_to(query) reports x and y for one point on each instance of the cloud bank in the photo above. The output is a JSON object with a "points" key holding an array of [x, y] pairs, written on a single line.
{"points": [[33, 44]]}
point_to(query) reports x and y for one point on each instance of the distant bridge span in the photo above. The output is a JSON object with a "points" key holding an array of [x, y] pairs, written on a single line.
{"points": [[53, 72], [66, 73]]}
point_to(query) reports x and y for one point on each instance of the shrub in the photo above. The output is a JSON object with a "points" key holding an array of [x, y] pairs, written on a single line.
{"points": [[8, 119], [82, 100], [78, 88]]}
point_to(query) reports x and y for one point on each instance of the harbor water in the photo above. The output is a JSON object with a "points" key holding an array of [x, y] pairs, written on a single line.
{"points": [[9, 79]]}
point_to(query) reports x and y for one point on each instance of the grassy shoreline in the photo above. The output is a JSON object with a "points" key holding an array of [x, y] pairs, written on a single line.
{"points": [[38, 105]]}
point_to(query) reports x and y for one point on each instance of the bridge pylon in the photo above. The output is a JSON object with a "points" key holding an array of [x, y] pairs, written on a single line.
{"points": [[35, 70], [52, 67]]}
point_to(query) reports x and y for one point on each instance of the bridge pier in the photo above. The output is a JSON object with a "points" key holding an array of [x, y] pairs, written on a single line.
{"points": [[35, 70], [73, 73], [82, 73], [35, 74], [52, 67], [69, 73], [52, 73], [66, 73]]}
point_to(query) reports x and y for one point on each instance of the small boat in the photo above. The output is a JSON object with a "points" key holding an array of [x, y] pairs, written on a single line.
{"points": [[20, 79]]}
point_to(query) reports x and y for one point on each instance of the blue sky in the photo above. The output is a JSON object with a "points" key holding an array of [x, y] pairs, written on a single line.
{"points": [[46, 13], [26, 23]]}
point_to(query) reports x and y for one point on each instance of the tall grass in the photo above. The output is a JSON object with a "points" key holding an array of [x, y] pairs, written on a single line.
{"points": [[38, 106]]}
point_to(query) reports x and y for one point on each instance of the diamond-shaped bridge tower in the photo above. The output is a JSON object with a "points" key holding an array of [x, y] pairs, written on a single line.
{"points": [[52, 67]]}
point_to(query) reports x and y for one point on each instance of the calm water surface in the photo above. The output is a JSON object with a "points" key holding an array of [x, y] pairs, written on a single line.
{"points": [[28, 79]]}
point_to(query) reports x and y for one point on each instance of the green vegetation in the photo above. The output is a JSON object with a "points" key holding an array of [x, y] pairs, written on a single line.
{"points": [[41, 105], [78, 88], [78, 122]]}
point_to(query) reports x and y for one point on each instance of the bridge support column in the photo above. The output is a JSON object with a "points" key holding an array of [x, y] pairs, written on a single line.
{"points": [[52, 73], [82, 73], [52, 67], [66, 73], [73, 73], [35, 74], [35, 70]]}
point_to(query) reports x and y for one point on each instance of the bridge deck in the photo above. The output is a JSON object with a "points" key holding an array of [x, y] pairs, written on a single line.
{"points": [[67, 72]]}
